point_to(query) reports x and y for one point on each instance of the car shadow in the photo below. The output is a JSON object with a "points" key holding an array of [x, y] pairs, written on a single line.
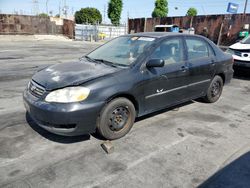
{"points": [[54, 137], [234, 175], [166, 110], [73, 139]]}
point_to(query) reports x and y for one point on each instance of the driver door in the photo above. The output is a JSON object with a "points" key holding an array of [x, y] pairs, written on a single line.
{"points": [[165, 86]]}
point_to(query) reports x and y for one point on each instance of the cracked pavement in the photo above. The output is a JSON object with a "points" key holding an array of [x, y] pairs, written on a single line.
{"points": [[182, 148]]}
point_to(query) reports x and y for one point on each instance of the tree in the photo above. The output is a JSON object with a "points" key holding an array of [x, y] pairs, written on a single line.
{"points": [[192, 12], [161, 9], [114, 11], [88, 15], [44, 15]]}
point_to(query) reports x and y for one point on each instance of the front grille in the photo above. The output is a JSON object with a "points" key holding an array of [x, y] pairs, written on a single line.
{"points": [[237, 52], [58, 126], [240, 52], [36, 89], [245, 50]]}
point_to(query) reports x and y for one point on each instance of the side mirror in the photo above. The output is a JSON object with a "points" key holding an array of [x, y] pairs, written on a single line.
{"points": [[155, 63]]}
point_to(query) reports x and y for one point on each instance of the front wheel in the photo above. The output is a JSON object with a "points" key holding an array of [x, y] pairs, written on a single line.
{"points": [[116, 119], [215, 90]]}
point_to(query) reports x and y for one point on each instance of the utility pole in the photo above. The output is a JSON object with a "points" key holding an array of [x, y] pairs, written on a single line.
{"points": [[47, 9], [59, 8], [35, 7], [104, 14], [245, 9], [65, 9]]}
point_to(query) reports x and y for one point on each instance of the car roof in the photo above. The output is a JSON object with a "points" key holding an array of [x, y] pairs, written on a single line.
{"points": [[166, 26], [158, 34], [173, 34]]}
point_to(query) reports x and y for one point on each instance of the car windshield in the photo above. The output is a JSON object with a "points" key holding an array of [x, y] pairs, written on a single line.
{"points": [[246, 40], [121, 51]]}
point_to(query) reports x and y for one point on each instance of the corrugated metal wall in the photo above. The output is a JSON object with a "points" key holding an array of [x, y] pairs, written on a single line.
{"points": [[211, 22]]}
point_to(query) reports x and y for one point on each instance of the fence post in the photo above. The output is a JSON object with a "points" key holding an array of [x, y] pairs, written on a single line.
{"points": [[145, 25], [219, 38], [82, 33]]}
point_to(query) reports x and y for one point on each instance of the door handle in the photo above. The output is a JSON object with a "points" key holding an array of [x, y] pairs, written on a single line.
{"points": [[183, 68], [213, 62]]}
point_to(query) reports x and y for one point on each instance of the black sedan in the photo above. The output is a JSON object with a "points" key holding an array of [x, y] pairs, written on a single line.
{"points": [[128, 77]]}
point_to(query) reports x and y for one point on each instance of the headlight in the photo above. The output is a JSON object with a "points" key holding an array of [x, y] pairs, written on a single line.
{"points": [[230, 51], [68, 95]]}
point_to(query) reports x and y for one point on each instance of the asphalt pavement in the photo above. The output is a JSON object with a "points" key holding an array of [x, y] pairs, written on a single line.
{"points": [[200, 144]]}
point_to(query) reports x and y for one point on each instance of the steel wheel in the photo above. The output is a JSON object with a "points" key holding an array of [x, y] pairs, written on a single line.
{"points": [[215, 89], [119, 118], [116, 119]]}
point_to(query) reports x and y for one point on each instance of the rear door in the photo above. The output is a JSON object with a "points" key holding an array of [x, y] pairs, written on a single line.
{"points": [[166, 85], [201, 65]]}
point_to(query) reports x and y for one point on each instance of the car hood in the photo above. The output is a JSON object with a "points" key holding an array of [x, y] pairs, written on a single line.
{"points": [[69, 74], [240, 46]]}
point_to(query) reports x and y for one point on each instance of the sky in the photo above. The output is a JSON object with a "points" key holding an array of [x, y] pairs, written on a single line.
{"points": [[131, 8]]}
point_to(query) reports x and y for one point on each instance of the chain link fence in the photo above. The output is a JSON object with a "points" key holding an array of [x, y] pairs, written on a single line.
{"points": [[98, 32]]}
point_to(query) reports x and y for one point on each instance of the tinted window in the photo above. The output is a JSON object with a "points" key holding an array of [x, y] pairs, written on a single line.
{"points": [[171, 51], [197, 49]]}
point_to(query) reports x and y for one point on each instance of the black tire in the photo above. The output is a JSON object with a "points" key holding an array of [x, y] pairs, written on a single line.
{"points": [[215, 90], [116, 119]]}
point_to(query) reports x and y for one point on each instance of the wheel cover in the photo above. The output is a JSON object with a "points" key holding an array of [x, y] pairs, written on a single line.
{"points": [[216, 88], [119, 118]]}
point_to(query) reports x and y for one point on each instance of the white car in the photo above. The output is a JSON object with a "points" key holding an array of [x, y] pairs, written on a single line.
{"points": [[241, 53]]}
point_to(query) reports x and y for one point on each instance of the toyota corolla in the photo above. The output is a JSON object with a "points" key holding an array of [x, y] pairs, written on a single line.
{"points": [[128, 77]]}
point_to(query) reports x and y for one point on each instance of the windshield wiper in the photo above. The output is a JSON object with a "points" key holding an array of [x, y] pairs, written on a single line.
{"points": [[91, 59], [106, 62], [110, 63]]}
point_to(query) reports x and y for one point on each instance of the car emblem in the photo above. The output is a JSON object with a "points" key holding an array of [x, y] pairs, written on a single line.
{"points": [[32, 88], [159, 91]]}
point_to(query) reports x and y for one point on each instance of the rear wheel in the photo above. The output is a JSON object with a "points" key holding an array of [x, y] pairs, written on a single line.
{"points": [[116, 119], [215, 90]]}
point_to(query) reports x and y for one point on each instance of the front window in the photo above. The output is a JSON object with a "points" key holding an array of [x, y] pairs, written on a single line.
{"points": [[171, 51], [122, 51], [246, 40]]}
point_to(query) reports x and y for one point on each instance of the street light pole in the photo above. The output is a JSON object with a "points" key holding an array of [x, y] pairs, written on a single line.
{"points": [[245, 9], [47, 10]]}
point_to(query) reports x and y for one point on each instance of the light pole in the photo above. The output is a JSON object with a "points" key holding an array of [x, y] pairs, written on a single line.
{"points": [[47, 10], [245, 9]]}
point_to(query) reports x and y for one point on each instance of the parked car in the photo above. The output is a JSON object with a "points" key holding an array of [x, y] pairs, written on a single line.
{"points": [[241, 53], [128, 77], [167, 28]]}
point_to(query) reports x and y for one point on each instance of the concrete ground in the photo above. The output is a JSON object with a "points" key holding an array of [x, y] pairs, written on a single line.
{"points": [[199, 145]]}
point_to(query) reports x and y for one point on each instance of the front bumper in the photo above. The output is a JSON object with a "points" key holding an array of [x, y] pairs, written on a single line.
{"points": [[242, 64], [70, 119]]}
